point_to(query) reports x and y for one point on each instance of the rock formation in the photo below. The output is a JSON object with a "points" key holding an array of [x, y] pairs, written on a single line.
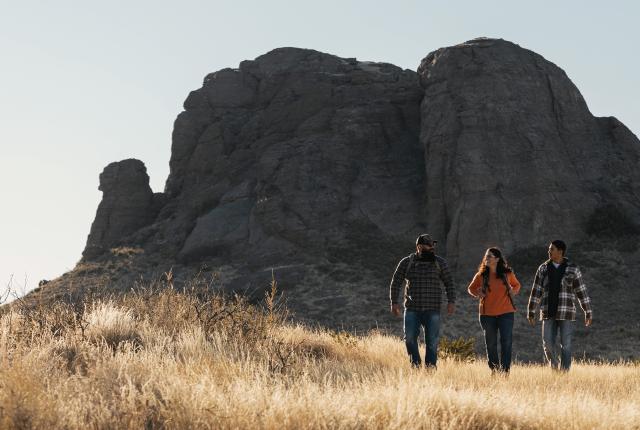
{"points": [[289, 155], [127, 205], [326, 169], [304, 157], [513, 156]]}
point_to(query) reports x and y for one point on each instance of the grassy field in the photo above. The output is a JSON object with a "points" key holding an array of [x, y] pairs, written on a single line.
{"points": [[184, 360]]}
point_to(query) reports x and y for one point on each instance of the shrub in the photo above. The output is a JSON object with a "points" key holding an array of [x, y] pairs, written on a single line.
{"points": [[126, 251], [459, 349], [344, 338], [113, 325]]}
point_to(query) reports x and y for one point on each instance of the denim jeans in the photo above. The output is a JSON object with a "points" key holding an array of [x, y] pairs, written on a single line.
{"points": [[430, 320], [491, 325], [550, 330]]}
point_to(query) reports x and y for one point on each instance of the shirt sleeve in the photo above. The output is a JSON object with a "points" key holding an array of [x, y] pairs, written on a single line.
{"points": [[447, 280], [580, 290], [513, 282], [536, 294], [475, 286], [398, 280]]}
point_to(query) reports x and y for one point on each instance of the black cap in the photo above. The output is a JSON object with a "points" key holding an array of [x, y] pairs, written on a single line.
{"points": [[425, 239]]}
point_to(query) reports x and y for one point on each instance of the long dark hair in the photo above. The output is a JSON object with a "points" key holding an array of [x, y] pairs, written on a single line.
{"points": [[501, 268]]}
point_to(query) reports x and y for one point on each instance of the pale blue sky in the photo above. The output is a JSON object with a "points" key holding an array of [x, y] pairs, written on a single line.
{"points": [[85, 83]]}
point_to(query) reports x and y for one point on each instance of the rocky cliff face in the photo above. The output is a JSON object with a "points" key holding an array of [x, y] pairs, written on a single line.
{"points": [[293, 157], [284, 153], [326, 169], [512, 154], [302, 156]]}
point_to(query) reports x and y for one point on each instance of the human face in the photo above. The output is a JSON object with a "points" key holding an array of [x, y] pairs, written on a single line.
{"points": [[555, 254], [424, 247], [490, 260]]}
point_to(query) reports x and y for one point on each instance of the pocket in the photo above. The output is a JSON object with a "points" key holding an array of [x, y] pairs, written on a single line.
{"points": [[567, 281]]}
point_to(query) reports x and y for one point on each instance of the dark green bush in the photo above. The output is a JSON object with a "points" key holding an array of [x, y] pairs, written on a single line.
{"points": [[459, 349]]}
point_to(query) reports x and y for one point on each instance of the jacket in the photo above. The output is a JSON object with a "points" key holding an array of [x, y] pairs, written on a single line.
{"points": [[571, 287], [422, 283]]}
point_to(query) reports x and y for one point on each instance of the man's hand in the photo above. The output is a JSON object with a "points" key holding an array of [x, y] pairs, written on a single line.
{"points": [[532, 321], [395, 309], [451, 308], [587, 321]]}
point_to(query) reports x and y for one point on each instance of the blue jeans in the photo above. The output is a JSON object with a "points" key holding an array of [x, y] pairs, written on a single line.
{"points": [[550, 330], [430, 320], [491, 325]]}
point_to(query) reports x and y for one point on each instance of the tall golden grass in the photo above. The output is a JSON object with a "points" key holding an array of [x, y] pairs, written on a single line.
{"points": [[182, 360]]}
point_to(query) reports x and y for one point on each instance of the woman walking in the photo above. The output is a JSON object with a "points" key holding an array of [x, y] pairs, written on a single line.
{"points": [[495, 284]]}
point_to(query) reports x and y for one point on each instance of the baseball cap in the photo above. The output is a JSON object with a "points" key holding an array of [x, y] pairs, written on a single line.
{"points": [[425, 239]]}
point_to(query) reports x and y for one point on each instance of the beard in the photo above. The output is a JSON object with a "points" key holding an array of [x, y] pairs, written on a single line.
{"points": [[427, 255]]}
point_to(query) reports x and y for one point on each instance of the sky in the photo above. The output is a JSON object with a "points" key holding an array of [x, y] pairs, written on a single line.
{"points": [[85, 83]]}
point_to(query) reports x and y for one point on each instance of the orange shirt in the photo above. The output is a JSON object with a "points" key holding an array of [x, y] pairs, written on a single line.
{"points": [[496, 302]]}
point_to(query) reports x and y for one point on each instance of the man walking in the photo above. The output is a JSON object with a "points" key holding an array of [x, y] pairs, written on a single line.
{"points": [[555, 287], [422, 275]]}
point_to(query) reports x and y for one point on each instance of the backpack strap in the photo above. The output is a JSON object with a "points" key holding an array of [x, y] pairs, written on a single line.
{"points": [[508, 287], [412, 259], [438, 266], [485, 287]]}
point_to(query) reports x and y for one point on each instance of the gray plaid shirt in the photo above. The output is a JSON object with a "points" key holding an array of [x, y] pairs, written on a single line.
{"points": [[422, 284], [571, 286]]}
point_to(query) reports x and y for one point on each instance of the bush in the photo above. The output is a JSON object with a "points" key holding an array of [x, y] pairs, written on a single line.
{"points": [[344, 338], [459, 349], [113, 325]]}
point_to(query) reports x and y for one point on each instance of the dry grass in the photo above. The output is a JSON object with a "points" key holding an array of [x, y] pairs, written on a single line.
{"points": [[182, 360]]}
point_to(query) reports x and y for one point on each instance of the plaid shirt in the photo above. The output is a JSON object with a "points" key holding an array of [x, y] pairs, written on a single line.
{"points": [[423, 284], [571, 286]]}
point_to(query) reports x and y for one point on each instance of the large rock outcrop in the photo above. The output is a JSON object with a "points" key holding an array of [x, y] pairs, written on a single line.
{"points": [[290, 154], [513, 157], [127, 205], [325, 169], [304, 157]]}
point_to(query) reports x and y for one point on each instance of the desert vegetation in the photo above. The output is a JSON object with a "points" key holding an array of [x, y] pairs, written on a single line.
{"points": [[158, 357]]}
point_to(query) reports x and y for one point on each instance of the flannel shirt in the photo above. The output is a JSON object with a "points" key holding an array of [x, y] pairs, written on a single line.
{"points": [[423, 284], [571, 286]]}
